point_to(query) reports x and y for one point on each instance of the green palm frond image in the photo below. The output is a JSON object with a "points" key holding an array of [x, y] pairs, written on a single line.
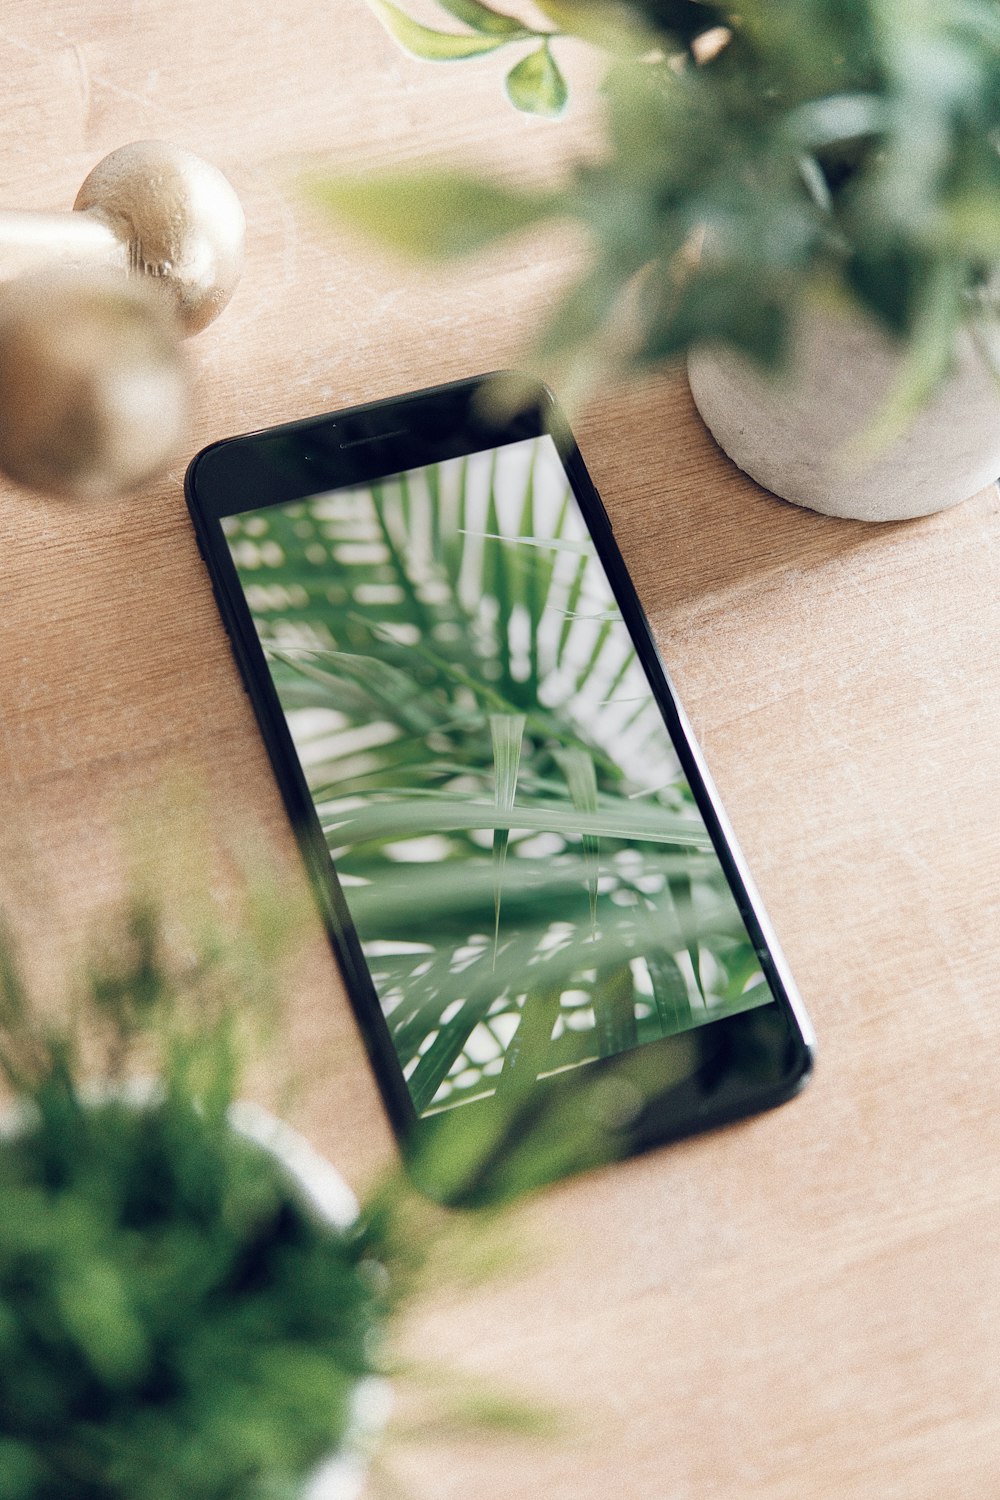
{"points": [[507, 732], [529, 876]]}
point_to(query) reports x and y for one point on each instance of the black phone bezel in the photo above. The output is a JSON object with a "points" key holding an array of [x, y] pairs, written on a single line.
{"points": [[299, 459]]}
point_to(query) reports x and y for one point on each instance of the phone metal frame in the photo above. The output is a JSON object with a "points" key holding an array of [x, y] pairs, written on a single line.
{"points": [[300, 459]]}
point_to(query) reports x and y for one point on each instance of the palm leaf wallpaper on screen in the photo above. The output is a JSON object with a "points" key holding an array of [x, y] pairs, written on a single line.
{"points": [[531, 881]]}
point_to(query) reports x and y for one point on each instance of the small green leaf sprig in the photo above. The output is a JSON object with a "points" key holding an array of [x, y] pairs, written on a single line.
{"points": [[535, 84]]}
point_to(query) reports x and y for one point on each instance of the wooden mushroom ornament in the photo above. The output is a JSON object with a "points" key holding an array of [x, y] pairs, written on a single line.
{"points": [[93, 383]]}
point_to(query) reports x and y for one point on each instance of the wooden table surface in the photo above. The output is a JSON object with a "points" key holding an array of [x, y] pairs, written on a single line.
{"points": [[805, 1305]]}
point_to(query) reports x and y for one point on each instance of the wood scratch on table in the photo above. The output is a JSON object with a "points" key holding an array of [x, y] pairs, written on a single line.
{"points": [[87, 77], [21, 45], [143, 99], [83, 73]]}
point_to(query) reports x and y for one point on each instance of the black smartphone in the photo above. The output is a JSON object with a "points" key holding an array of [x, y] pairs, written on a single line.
{"points": [[548, 935]]}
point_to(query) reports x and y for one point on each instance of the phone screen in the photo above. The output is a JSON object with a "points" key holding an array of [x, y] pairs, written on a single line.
{"points": [[530, 878]]}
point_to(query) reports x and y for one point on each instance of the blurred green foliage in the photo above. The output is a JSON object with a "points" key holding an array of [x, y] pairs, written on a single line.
{"points": [[175, 1316], [757, 155]]}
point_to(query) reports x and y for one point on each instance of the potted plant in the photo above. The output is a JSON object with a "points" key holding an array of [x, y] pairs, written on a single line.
{"points": [[193, 1305], [801, 197], [190, 1303]]}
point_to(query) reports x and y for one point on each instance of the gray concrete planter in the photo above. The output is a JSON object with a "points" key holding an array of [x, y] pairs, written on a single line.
{"points": [[793, 435]]}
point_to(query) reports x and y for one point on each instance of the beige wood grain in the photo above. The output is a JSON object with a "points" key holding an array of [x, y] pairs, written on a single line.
{"points": [[803, 1306]]}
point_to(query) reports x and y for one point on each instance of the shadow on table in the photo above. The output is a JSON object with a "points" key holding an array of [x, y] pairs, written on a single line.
{"points": [[691, 525]]}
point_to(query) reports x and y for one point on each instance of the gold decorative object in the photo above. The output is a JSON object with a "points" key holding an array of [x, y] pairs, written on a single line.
{"points": [[149, 209], [93, 383], [93, 386]]}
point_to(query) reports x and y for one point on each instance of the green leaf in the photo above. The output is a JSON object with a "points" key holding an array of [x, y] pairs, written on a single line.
{"points": [[739, 305], [836, 119], [928, 360], [572, 603], [535, 576], [424, 42], [432, 215], [496, 580], [499, 1413], [577, 765], [401, 568], [583, 311], [21, 1470], [682, 896], [461, 889], [92, 1298], [522, 967], [507, 733], [614, 28], [387, 687], [614, 1011], [670, 993], [484, 19], [535, 84], [528, 1048], [388, 822]]}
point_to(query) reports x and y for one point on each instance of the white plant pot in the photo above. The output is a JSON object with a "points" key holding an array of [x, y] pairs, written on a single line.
{"points": [[798, 435], [342, 1475]]}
